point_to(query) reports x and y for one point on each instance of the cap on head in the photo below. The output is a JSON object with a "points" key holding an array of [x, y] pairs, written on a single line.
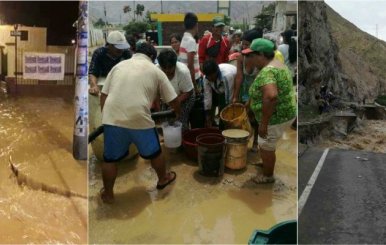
{"points": [[218, 21], [118, 40], [259, 45]]}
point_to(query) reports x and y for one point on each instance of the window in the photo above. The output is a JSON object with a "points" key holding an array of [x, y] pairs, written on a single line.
{"points": [[24, 36]]}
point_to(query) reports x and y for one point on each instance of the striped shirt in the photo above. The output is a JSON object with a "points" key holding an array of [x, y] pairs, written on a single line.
{"points": [[188, 45], [101, 63]]}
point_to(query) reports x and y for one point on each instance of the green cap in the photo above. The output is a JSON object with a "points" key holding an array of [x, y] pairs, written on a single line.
{"points": [[259, 45], [218, 21]]}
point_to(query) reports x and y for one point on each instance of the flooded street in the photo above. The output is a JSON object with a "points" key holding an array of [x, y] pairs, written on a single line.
{"points": [[196, 209], [37, 134], [369, 136]]}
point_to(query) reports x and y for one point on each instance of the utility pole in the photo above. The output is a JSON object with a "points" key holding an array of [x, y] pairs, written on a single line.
{"points": [[80, 136], [16, 27], [16, 34], [105, 32], [134, 9], [162, 10], [376, 30]]}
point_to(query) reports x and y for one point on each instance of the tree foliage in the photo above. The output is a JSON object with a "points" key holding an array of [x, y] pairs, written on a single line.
{"points": [[136, 27], [227, 20], [100, 23], [126, 9], [153, 24], [264, 20], [139, 10]]}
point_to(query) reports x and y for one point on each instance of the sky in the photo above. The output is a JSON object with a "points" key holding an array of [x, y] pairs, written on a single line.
{"points": [[365, 14], [239, 9], [58, 17]]}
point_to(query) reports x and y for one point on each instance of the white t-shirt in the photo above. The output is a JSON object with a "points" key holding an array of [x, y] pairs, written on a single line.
{"points": [[131, 87], [224, 83], [284, 50], [182, 81], [188, 45]]}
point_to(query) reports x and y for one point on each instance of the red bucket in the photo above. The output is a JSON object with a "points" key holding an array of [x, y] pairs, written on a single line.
{"points": [[189, 140]]}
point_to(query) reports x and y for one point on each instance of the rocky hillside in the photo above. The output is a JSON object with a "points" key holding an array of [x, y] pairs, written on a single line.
{"points": [[333, 51], [317, 51]]}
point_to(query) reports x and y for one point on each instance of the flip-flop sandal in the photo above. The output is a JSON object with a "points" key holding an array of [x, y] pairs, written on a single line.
{"points": [[160, 187], [103, 198]]}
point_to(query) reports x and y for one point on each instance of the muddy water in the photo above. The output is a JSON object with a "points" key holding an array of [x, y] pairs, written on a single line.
{"points": [[37, 133], [368, 136], [196, 209]]}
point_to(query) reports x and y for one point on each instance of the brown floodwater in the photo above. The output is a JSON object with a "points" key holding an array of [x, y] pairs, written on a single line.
{"points": [[196, 209], [37, 134], [368, 136]]}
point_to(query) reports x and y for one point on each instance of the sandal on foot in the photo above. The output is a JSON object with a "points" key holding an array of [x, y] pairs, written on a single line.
{"points": [[104, 198], [261, 179], [160, 187]]}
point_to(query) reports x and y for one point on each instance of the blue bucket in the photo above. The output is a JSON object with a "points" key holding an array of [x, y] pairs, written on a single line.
{"points": [[282, 233]]}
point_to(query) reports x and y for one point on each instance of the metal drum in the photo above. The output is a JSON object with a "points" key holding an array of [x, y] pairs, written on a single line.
{"points": [[236, 148]]}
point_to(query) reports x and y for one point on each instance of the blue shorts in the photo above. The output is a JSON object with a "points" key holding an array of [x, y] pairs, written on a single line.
{"points": [[118, 139]]}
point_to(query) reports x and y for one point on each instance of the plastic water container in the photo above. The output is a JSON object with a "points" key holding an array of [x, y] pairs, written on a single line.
{"points": [[172, 134]]}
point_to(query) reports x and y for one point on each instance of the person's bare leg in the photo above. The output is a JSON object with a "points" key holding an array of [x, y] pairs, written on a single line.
{"points": [[269, 160], [159, 166], [109, 174], [255, 144]]}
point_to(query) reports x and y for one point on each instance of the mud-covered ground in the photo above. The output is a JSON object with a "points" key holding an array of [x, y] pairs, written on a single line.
{"points": [[196, 209]]}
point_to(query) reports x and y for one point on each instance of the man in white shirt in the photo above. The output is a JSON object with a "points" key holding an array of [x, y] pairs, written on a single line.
{"points": [[188, 53], [180, 79], [218, 87], [129, 91]]}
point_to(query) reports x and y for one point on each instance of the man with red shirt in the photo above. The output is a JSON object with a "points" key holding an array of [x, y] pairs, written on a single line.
{"points": [[214, 46]]}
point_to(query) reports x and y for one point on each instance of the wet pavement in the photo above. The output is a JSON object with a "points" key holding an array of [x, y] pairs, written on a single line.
{"points": [[37, 134], [347, 203], [196, 209]]}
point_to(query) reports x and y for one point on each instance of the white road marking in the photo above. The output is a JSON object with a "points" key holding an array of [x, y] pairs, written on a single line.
{"points": [[303, 198]]}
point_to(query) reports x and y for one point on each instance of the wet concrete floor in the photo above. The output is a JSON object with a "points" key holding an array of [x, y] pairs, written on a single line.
{"points": [[196, 209], [37, 134]]}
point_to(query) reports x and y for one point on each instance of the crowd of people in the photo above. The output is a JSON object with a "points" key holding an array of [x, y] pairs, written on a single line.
{"points": [[212, 72]]}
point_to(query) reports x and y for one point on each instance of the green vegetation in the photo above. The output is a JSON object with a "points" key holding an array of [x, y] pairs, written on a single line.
{"points": [[100, 23], [139, 10], [134, 28], [381, 100]]}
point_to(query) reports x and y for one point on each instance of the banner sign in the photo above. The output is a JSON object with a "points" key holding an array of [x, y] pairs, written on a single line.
{"points": [[43, 66]]}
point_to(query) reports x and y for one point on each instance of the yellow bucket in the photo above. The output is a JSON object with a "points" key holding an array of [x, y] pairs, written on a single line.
{"points": [[236, 148], [235, 116]]}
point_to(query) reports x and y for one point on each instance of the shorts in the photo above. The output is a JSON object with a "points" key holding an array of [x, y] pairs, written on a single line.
{"points": [[275, 132], [117, 141]]}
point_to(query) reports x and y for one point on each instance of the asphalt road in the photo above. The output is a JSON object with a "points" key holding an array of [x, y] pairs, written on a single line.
{"points": [[347, 203]]}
